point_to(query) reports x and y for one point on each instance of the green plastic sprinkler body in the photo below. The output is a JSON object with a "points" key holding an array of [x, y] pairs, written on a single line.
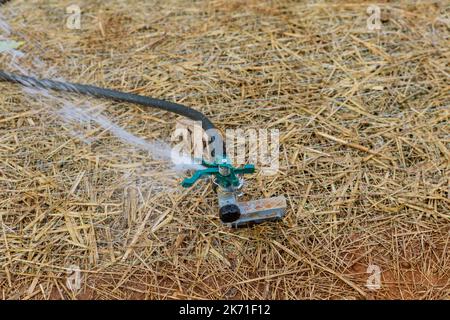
{"points": [[225, 175]]}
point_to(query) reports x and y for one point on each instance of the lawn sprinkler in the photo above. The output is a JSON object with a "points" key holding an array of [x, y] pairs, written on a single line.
{"points": [[229, 181]]}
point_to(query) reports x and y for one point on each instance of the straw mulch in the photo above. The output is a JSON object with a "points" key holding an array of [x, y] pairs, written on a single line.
{"points": [[364, 158]]}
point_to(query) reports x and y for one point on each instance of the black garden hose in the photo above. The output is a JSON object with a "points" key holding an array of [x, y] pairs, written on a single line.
{"points": [[94, 91]]}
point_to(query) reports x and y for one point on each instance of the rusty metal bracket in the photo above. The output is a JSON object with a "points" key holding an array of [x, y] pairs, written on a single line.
{"points": [[255, 211]]}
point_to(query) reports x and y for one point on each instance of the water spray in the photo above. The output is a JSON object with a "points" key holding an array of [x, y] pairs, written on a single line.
{"points": [[227, 179]]}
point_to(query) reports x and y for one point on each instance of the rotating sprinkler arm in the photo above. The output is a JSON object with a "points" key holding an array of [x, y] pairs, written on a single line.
{"points": [[231, 212]]}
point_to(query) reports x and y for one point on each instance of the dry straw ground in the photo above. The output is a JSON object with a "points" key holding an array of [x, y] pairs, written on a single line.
{"points": [[364, 158]]}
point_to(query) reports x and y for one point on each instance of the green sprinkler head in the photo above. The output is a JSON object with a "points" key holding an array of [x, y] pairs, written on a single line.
{"points": [[225, 175]]}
